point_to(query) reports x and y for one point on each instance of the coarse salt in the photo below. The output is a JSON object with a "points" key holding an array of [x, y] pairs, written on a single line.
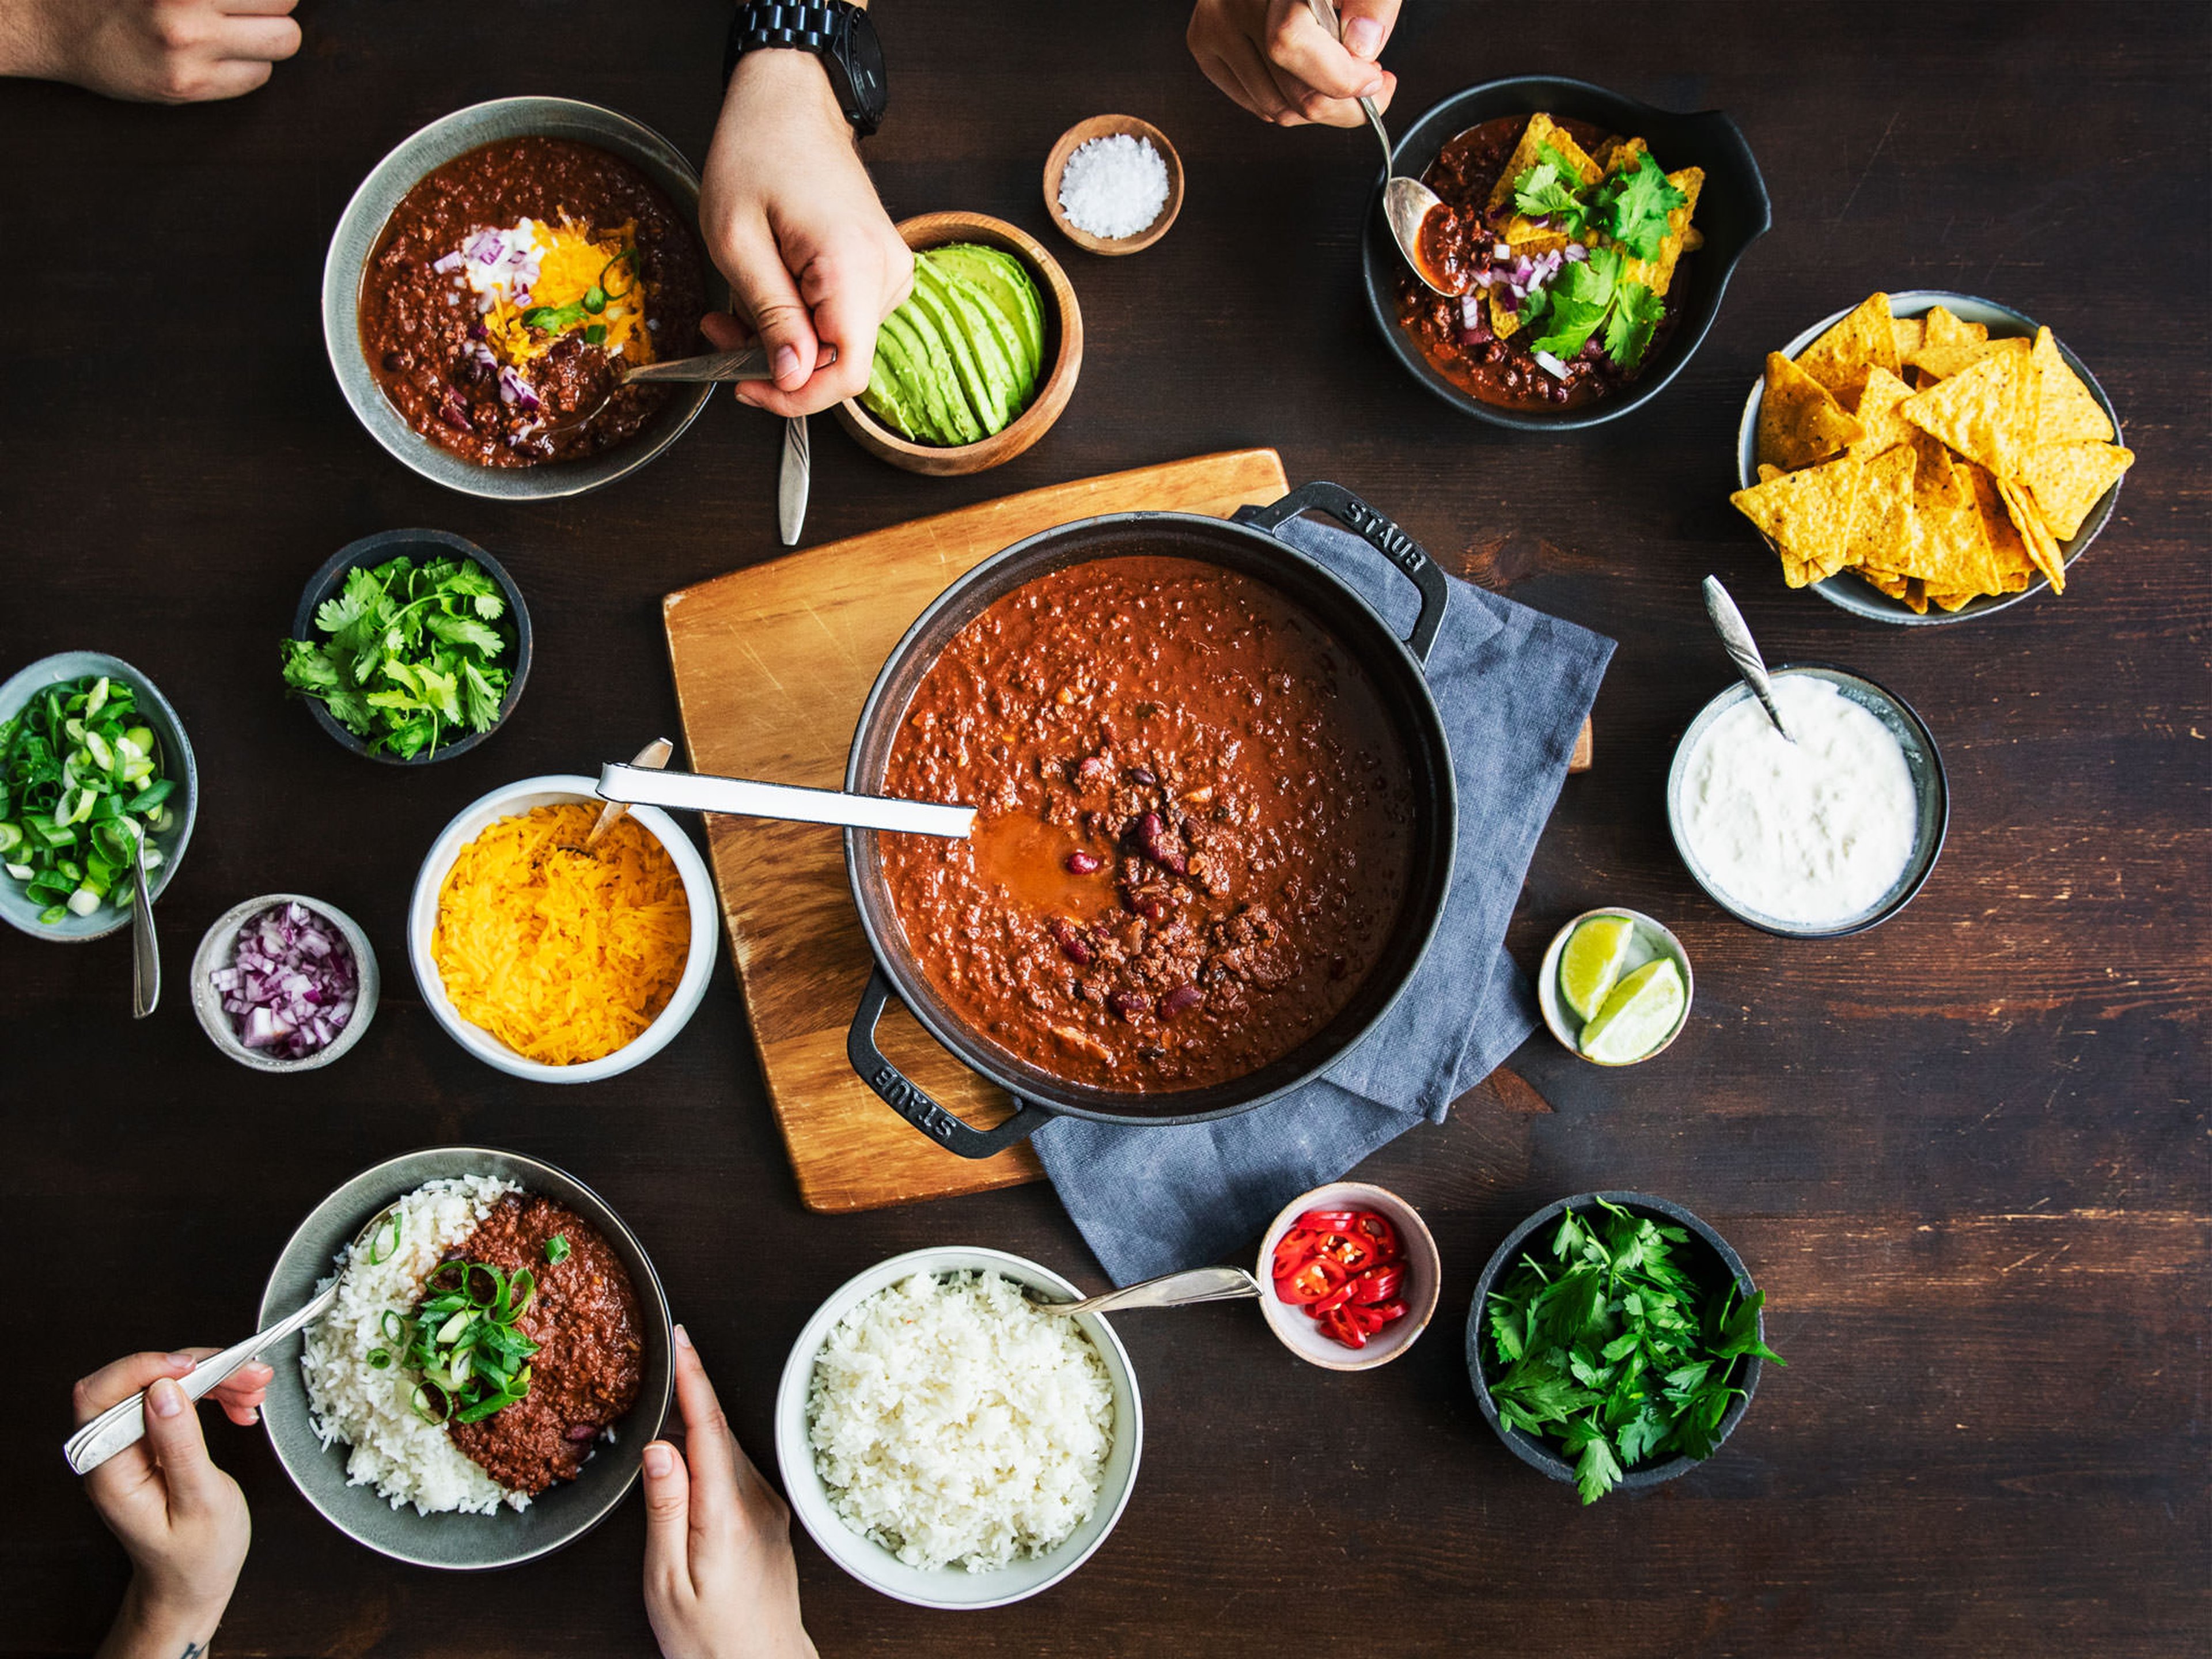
{"points": [[1113, 186]]}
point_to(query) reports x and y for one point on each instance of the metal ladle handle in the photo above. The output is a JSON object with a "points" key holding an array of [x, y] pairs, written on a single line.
{"points": [[699, 791], [1743, 651]]}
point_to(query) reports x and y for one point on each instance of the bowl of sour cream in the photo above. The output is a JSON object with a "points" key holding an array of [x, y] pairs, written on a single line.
{"points": [[1831, 835]]}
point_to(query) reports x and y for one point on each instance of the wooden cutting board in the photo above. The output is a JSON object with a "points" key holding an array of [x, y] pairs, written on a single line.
{"points": [[772, 664]]}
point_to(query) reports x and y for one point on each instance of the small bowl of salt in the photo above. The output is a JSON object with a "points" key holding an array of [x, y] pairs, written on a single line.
{"points": [[1113, 184]]}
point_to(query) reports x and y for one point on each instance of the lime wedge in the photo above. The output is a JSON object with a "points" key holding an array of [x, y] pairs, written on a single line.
{"points": [[1592, 962], [1638, 1015]]}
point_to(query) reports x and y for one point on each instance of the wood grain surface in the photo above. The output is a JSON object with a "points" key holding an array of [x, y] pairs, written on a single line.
{"points": [[1965, 1153]]}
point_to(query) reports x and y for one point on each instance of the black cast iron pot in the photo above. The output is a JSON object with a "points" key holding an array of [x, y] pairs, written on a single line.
{"points": [[1247, 546]]}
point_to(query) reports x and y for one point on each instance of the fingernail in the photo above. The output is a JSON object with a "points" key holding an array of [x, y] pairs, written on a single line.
{"points": [[1363, 36], [183, 1362], [659, 1459], [1372, 89], [682, 1337], [166, 1397], [786, 362]]}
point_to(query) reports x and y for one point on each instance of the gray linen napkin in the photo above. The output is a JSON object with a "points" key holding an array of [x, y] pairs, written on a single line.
{"points": [[1514, 685]]}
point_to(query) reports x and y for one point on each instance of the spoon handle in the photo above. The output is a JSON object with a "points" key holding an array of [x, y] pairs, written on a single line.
{"points": [[1168, 1291], [1324, 12], [123, 1423], [1743, 651], [145, 952], [699, 791]]}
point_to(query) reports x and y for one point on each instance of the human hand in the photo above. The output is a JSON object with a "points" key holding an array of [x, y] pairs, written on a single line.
{"points": [[160, 51], [720, 1582], [181, 1520], [791, 219], [1275, 57]]}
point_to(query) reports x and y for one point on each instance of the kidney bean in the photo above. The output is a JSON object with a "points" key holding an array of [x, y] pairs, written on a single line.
{"points": [[581, 1432], [1153, 836], [1071, 941], [1144, 777], [1128, 1003], [1093, 766], [1080, 863], [1182, 997]]}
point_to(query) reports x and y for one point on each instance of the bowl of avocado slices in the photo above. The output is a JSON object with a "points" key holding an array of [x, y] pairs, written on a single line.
{"points": [[979, 361]]}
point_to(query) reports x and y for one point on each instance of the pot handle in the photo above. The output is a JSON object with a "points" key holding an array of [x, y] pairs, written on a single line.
{"points": [[1378, 532], [910, 1102]]}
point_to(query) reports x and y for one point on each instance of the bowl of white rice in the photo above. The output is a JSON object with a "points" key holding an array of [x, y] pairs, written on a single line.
{"points": [[380, 1473], [949, 1445]]}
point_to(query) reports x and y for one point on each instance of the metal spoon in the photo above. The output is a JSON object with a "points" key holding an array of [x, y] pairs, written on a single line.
{"points": [[746, 363], [123, 1423], [698, 791], [652, 757], [145, 950], [1168, 1291], [1743, 651], [1406, 200]]}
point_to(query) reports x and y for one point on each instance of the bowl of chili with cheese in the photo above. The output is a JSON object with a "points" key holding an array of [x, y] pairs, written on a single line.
{"points": [[1215, 820], [1593, 236], [494, 277]]}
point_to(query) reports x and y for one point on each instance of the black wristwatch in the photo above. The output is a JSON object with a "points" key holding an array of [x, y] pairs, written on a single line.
{"points": [[840, 35]]}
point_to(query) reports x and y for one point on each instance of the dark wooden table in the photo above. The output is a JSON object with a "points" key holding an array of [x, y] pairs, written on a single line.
{"points": [[1965, 1153]]}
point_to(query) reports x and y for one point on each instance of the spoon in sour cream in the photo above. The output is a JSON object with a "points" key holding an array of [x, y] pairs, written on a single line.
{"points": [[1743, 651]]}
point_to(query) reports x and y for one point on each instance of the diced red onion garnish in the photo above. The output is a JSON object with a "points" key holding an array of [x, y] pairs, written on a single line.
{"points": [[489, 248], [1502, 249], [1470, 310], [1550, 365], [514, 389], [1484, 278], [291, 984], [1478, 334], [451, 262], [1576, 252]]}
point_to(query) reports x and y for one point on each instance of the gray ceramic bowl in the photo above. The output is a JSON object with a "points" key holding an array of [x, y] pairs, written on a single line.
{"points": [[464, 1542], [1846, 590], [1932, 793], [220, 943], [422, 546], [177, 763], [1712, 1261], [363, 222]]}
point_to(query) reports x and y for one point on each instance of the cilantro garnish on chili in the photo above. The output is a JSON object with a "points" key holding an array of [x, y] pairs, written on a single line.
{"points": [[1608, 1346], [1626, 215]]}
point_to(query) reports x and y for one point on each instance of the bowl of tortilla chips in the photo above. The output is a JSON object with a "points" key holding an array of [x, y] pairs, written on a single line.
{"points": [[1926, 457]]}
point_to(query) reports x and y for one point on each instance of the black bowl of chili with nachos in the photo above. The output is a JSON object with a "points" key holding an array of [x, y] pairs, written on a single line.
{"points": [[1592, 238]]}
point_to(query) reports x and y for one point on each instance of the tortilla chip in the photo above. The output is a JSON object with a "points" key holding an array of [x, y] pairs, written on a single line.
{"points": [[1658, 274], [1941, 363], [1502, 323], [1541, 131], [2008, 559], [1619, 154], [2071, 412], [1884, 428], [1768, 473], [1987, 411], [1944, 329], [2042, 546], [1886, 530], [2067, 480], [1952, 601], [1911, 333], [1906, 590], [1799, 423], [1692, 240], [1841, 359], [1806, 516]]}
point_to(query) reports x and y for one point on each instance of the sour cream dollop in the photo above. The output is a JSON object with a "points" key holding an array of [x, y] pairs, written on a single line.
{"points": [[1815, 832]]}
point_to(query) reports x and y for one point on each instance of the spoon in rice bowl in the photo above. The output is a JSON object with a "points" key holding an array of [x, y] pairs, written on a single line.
{"points": [[123, 1423]]}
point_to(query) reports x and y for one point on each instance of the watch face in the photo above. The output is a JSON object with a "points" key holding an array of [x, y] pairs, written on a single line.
{"points": [[862, 54]]}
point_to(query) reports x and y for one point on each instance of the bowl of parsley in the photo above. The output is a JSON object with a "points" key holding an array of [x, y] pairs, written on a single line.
{"points": [[409, 646], [1614, 1341], [1585, 241]]}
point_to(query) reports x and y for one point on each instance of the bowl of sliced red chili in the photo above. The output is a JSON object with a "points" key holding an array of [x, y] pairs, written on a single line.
{"points": [[1352, 1275]]}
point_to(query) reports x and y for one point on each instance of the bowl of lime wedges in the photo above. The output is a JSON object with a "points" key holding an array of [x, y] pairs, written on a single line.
{"points": [[1615, 987]]}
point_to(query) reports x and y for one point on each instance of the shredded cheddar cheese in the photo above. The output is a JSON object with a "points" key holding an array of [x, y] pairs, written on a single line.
{"points": [[564, 956]]}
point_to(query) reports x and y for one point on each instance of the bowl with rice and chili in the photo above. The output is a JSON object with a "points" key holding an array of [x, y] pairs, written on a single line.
{"points": [[550, 960]]}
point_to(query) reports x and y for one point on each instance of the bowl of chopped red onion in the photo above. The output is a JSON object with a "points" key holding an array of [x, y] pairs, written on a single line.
{"points": [[285, 983]]}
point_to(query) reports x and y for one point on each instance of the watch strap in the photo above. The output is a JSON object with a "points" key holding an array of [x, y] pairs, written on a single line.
{"points": [[815, 26]]}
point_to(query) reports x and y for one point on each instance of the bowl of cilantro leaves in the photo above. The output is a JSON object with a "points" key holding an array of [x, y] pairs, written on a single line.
{"points": [[1615, 1340], [1591, 238], [409, 646]]}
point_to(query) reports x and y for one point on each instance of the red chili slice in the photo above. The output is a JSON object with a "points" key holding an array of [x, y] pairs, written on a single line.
{"points": [[1381, 1236], [1292, 1248], [1339, 1323], [1348, 1250], [1379, 1283], [1336, 1298], [1387, 1311], [1329, 1221], [1315, 1279]]}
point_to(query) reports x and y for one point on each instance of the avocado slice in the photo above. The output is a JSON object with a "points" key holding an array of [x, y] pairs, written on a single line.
{"points": [[996, 339], [985, 398], [1001, 380], [937, 386], [908, 374], [1007, 280], [886, 396]]}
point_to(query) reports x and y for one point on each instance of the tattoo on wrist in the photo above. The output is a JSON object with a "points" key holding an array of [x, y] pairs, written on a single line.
{"points": [[194, 1651]]}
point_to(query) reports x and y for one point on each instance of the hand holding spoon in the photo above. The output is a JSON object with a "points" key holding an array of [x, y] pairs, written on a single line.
{"points": [[1407, 202]]}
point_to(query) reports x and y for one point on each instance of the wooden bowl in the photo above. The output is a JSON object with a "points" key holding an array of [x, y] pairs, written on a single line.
{"points": [[1108, 126], [1063, 347]]}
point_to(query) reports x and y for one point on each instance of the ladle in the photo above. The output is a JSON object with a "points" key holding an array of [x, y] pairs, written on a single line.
{"points": [[698, 791]]}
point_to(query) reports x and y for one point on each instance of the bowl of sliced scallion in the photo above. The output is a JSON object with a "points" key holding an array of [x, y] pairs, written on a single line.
{"points": [[94, 762]]}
